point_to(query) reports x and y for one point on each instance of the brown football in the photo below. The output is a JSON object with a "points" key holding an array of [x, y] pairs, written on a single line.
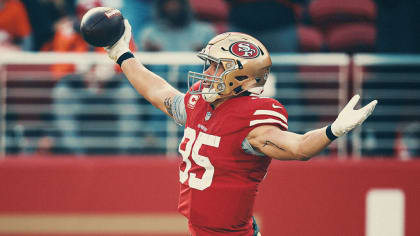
{"points": [[102, 26]]}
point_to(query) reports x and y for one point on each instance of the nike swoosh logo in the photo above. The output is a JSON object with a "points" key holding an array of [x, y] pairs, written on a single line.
{"points": [[274, 106]]}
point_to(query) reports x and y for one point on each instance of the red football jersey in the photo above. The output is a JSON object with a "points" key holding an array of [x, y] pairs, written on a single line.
{"points": [[219, 180]]}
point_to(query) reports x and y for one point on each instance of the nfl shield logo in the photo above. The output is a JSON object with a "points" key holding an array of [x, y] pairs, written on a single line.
{"points": [[208, 115]]}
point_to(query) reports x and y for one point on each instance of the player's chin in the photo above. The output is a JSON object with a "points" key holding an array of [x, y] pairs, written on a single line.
{"points": [[210, 97]]}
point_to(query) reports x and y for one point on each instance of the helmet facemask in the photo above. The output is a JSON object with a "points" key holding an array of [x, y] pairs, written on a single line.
{"points": [[211, 86]]}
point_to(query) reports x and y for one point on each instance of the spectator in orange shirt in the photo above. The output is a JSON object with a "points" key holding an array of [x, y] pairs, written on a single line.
{"points": [[14, 21], [67, 38]]}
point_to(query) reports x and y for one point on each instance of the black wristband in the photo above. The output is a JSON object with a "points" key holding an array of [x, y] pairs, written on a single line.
{"points": [[330, 134], [124, 57]]}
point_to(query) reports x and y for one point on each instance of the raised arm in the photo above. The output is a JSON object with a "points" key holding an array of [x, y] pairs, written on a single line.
{"points": [[151, 86], [284, 145]]}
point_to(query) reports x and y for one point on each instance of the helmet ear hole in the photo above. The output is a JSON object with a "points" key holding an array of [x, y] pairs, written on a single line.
{"points": [[241, 77], [230, 84], [238, 89]]}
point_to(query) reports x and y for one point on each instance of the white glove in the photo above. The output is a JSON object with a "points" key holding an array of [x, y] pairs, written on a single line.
{"points": [[122, 45], [349, 118]]}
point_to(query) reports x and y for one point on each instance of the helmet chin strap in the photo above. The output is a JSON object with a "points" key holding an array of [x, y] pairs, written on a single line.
{"points": [[208, 96]]}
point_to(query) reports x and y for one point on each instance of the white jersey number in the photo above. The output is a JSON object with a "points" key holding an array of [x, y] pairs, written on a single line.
{"points": [[202, 139]]}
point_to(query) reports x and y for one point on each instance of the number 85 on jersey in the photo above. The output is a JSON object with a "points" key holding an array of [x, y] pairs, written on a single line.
{"points": [[192, 149]]}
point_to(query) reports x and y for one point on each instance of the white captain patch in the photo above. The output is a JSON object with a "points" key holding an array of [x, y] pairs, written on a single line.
{"points": [[192, 101]]}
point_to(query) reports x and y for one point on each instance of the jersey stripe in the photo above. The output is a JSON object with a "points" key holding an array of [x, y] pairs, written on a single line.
{"points": [[271, 113], [256, 122]]}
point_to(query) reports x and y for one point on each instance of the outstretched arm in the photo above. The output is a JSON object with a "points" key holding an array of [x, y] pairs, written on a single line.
{"points": [[284, 145], [151, 86]]}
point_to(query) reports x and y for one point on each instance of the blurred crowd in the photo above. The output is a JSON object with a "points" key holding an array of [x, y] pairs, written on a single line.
{"points": [[345, 26], [283, 25]]}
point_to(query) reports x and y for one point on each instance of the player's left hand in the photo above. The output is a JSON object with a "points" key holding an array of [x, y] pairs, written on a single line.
{"points": [[122, 45], [349, 118]]}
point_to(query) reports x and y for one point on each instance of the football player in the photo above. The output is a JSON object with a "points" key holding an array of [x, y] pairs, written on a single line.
{"points": [[230, 136]]}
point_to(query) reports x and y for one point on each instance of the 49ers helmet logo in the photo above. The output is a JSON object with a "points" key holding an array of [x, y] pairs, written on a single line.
{"points": [[244, 49]]}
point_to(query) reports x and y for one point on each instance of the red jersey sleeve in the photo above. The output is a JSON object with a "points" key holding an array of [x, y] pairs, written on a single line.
{"points": [[269, 111]]}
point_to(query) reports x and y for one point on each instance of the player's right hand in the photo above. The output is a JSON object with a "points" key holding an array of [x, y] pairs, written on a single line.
{"points": [[122, 45], [349, 118]]}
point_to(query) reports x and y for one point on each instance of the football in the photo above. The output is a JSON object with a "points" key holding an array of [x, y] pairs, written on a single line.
{"points": [[102, 26]]}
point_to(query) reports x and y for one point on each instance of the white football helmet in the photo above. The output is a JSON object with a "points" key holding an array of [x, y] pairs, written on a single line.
{"points": [[246, 63]]}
